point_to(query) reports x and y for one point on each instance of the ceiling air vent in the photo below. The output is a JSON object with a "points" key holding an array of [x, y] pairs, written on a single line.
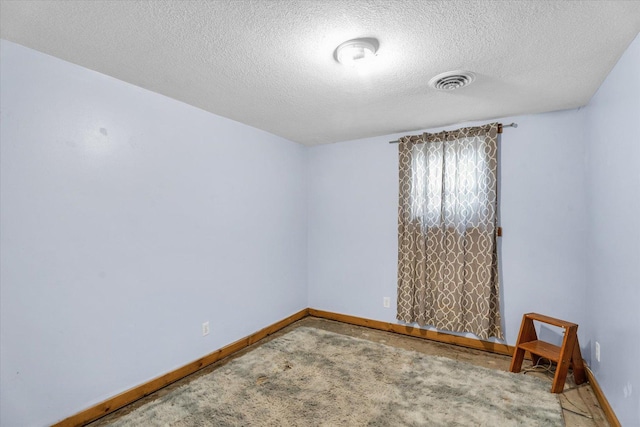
{"points": [[452, 80]]}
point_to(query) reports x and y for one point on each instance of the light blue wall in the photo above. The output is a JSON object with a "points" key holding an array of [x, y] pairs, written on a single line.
{"points": [[353, 196], [128, 219], [544, 220], [613, 286], [352, 237]]}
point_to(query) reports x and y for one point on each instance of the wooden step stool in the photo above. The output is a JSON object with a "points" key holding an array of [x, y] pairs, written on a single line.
{"points": [[567, 354]]}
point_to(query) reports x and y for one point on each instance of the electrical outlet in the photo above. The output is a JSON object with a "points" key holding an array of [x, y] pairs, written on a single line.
{"points": [[386, 302], [597, 351], [205, 329]]}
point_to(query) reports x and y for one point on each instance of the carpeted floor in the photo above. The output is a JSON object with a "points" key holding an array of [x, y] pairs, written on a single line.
{"points": [[314, 377]]}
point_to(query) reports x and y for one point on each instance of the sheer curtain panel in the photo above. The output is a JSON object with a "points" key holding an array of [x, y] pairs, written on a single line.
{"points": [[447, 224]]}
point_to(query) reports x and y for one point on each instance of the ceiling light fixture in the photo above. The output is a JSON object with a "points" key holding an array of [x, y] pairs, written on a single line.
{"points": [[356, 52]]}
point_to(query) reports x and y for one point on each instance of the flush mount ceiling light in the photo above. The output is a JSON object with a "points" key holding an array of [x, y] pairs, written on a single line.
{"points": [[356, 52], [452, 80]]}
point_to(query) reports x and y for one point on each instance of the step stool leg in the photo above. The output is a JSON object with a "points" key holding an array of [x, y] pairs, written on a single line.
{"points": [[516, 361], [566, 353], [527, 333], [577, 364]]}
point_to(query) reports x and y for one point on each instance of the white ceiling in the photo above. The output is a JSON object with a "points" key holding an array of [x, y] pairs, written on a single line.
{"points": [[270, 64]]}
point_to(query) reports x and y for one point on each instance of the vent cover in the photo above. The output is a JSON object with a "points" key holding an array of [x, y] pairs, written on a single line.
{"points": [[452, 80]]}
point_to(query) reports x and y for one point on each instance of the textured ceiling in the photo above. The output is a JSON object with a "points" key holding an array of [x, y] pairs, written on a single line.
{"points": [[270, 64]]}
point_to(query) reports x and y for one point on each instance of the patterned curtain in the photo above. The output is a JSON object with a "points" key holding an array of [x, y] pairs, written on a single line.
{"points": [[447, 254]]}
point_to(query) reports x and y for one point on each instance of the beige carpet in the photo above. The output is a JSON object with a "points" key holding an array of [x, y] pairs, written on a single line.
{"points": [[311, 377]]}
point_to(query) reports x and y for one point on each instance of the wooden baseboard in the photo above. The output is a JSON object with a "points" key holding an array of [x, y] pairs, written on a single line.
{"points": [[602, 400], [416, 332], [131, 395]]}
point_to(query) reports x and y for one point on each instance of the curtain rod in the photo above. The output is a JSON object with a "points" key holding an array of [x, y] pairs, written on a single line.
{"points": [[500, 126]]}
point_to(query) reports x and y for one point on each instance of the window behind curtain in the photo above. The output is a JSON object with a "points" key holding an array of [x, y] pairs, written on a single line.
{"points": [[447, 259], [448, 183]]}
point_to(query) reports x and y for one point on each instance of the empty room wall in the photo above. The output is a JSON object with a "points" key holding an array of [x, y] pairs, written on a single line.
{"points": [[127, 220], [613, 286]]}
